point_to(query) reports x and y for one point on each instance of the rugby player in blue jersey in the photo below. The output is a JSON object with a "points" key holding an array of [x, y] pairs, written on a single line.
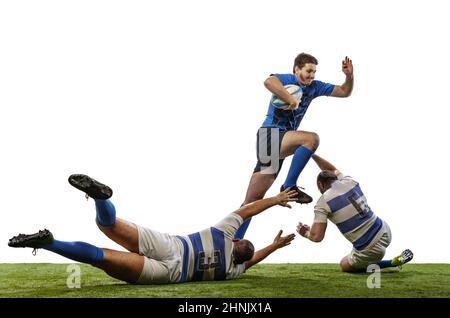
{"points": [[278, 137], [344, 204], [158, 258]]}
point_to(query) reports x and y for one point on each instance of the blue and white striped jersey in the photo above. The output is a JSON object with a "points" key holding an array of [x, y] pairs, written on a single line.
{"points": [[208, 254], [345, 205]]}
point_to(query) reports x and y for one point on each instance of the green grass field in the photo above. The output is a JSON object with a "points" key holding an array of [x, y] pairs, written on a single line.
{"points": [[262, 281]]}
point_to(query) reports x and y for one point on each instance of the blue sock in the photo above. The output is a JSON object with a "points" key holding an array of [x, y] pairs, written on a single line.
{"points": [[301, 158], [77, 251], [106, 212], [384, 264]]}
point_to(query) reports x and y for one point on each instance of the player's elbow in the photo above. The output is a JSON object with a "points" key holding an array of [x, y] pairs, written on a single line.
{"points": [[340, 91], [317, 238], [345, 91], [269, 82]]}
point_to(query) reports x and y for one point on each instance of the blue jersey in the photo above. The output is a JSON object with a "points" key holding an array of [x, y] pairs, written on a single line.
{"points": [[290, 119]]}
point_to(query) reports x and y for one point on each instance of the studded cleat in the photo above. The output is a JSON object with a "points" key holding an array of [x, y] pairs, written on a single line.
{"points": [[302, 197], [35, 241], [405, 257], [91, 187]]}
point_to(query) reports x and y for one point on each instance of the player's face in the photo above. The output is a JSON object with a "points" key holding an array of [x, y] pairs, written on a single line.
{"points": [[306, 74]]}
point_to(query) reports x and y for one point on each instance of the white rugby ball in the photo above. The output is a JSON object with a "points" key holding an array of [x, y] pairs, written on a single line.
{"points": [[292, 89]]}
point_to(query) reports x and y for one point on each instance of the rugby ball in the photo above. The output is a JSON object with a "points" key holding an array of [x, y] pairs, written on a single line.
{"points": [[292, 89]]}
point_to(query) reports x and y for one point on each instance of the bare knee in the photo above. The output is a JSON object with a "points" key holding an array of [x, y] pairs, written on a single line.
{"points": [[345, 269], [123, 233], [345, 265], [107, 230], [312, 141]]}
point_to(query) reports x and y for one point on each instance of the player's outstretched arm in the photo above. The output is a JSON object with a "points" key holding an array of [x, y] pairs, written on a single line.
{"points": [[278, 242], [252, 209], [324, 164], [345, 89], [316, 233]]}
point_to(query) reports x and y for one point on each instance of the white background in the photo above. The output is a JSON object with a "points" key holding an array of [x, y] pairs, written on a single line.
{"points": [[162, 100]]}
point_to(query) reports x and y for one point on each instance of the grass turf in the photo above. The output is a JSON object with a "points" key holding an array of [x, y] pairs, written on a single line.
{"points": [[261, 281]]}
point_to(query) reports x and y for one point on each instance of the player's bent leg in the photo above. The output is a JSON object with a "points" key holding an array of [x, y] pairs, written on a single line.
{"points": [[124, 266], [123, 233], [348, 267], [294, 139], [120, 231], [77, 251], [360, 260], [302, 144]]}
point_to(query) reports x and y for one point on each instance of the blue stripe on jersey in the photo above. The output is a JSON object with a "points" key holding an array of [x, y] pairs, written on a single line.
{"points": [[364, 240], [354, 222], [198, 247], [342, 201], [185, 259], [219, 245]]}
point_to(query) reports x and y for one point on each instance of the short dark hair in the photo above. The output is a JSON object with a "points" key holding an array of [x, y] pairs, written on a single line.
{"points": [[326, 177], [244, 251], [304, 58]]}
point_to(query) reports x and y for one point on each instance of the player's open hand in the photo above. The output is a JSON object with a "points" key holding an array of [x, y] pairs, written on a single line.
{"points": [[286, 196], [282, 241], [347, 66]]}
